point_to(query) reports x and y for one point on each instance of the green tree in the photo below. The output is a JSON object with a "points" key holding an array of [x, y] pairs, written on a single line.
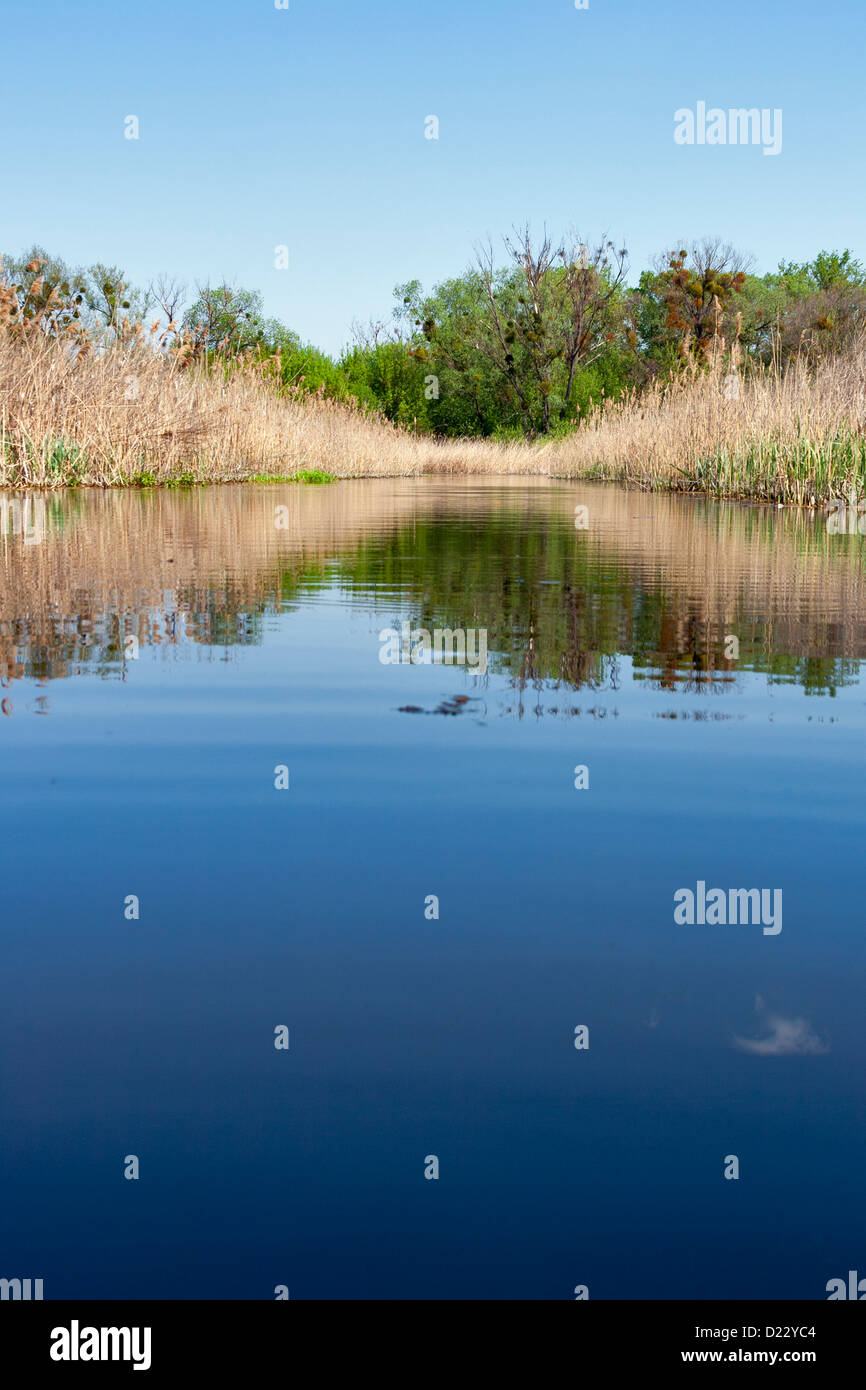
{"points": [[806, 309], [696, 288], [95, 299], [50, 294], [227, 319]]}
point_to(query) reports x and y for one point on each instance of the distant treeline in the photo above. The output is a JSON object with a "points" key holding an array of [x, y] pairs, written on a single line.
{"points": [[522, 348]]}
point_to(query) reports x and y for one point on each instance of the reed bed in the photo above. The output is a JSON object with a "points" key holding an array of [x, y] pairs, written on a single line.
{"points": [[797, 436], [130, 416]]}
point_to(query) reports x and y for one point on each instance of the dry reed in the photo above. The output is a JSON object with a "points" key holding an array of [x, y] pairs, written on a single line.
{"points": [[132, 416]]}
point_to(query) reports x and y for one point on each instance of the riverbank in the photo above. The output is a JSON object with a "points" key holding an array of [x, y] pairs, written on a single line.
{"points": [[131, 418]]}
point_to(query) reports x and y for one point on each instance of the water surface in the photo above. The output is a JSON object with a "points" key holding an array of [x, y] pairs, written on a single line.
{"points": [[163, 653]]}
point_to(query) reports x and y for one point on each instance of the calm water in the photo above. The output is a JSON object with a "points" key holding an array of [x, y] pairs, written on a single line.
{"points": [[146, 767]]}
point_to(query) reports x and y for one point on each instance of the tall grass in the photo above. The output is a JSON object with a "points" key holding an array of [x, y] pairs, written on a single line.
{"points": [[794, 436], [130, 415]]}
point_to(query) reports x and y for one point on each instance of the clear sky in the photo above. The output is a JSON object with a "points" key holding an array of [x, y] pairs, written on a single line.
{"points": [[305, 127]]}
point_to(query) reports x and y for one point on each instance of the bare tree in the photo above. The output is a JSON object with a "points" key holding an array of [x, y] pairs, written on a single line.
{"points": [[509, 326], [369, 335], [169, 295], [591, 281], [537, 326], [562, 313]]}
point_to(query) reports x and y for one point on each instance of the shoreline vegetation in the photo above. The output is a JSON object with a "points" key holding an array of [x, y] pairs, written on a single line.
{"points": [[704, 379]]}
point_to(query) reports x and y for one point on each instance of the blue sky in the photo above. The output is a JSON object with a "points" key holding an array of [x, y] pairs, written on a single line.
{"points": [[305, 128]]}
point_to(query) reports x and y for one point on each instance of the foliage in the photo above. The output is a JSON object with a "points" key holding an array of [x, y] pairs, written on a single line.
{"points": [[305, 475], [94, 300], [530, 349]]}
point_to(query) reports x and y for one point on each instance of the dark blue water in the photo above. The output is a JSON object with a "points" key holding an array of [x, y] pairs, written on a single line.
{"points": [[410, 1036]]}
